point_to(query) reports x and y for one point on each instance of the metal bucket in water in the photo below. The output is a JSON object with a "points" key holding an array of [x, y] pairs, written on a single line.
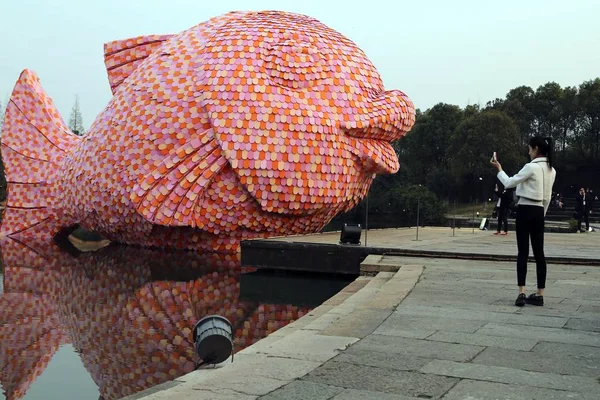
{"points": [[213, 337]]}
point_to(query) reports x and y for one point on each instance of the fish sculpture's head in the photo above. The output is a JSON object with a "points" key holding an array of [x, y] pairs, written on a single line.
{"points": [[298, 109]]}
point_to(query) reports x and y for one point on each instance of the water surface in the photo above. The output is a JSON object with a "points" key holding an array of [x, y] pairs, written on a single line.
{"points": [[117, 321]]}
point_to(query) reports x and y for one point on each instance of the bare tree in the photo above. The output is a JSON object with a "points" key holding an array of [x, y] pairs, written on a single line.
{"points": [[76, 120]]}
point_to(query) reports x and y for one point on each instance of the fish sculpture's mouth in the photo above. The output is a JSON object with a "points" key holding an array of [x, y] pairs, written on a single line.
{"points": [[373, 156], [390, 117]]}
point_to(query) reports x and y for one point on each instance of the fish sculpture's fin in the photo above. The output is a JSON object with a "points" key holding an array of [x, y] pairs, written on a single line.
{"points": [[35, 141], [169, 193], [122, 57]]}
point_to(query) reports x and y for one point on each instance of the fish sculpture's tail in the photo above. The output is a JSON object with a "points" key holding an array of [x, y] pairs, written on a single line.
{"points": [[35, 140]]}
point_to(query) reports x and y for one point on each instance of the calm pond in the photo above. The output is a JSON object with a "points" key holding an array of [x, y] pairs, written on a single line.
{"points": [[110, 323]]}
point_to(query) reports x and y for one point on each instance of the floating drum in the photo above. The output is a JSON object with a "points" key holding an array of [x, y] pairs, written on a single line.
{"points": [[213, 337]]}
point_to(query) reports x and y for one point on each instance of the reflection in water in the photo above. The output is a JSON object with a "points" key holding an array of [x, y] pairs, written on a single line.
{"points": [[127, 311]]}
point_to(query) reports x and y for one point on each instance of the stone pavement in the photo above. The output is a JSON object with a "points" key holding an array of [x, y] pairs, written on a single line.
{"points": [[564, 245], [455, 335]]}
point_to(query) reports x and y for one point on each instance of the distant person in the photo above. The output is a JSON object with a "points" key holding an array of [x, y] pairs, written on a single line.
{"points": [[496, 196], [561, 202], [504, 203], [534, 189], [583, 210], [496, 193], [590, 195]]}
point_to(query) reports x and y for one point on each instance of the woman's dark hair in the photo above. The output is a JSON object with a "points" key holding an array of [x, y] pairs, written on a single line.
{"points": [[545, 147]]}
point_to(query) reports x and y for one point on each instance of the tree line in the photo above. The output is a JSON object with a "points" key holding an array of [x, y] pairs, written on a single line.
{"points": [[449, 148]]}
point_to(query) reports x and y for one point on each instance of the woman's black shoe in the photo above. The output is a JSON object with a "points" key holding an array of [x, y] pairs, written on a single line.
{"points": [[535, 300], [520, 302]]}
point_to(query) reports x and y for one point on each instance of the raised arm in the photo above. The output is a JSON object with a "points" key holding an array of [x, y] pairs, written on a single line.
{"points": [[511, 182]]}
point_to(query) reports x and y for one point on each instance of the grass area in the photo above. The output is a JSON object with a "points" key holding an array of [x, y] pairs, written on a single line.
{"points": [[466, 209]]}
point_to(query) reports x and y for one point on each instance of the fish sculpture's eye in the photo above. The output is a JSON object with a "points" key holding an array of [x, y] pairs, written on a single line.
{"points": [[296, 64]]}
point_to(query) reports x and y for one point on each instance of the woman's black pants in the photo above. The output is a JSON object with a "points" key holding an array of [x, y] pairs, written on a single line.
{"points": [[502, 219], [530, 224]]}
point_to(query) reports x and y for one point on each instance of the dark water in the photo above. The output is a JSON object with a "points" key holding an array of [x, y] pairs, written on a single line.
{"points": [[117, 321]]}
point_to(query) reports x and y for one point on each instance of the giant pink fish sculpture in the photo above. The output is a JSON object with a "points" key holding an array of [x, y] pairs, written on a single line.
{"points": [[251, 124]]}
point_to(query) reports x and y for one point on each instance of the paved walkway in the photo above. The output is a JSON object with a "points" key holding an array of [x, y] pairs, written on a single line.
{"points": [[564, 245], [455, 335]]}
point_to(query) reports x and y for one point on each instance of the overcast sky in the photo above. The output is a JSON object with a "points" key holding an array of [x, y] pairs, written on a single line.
{"points": [[460, 52]]}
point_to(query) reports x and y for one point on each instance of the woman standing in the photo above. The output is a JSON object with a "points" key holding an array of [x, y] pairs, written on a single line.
{"points": [[503, 207], [534, 189]]}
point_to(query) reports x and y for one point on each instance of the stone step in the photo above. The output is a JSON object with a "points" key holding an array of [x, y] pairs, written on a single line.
{"points": [[378, 263]]}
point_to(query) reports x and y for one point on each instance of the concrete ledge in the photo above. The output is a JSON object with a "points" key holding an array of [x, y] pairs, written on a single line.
{"points": [[321, 253], [155, 389], [302, 346], [379, 263]]}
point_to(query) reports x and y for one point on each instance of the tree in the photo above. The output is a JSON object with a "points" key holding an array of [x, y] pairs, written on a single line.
{"points": [[76, 120], [496, 104], [589, 101], [569, 115], [519, 105], [443, 183], [425, 149], [471, 110], [546, 109], [406, 201], [476, 139]]}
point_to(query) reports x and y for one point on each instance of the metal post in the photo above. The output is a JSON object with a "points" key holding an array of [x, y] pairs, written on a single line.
{"points": [[454, 219], [418, 213], [473, 220], [366, 218]]}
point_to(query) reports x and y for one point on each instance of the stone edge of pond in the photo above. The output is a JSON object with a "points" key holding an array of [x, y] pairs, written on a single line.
{"points": [[300, 347]]}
